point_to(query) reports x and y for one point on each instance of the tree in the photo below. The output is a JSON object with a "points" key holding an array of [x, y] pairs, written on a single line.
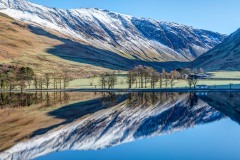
{"points": [[172, 82], [175, 74], [41, 82], [147, 73], [201, 70], [35, 82], [192, 81], [22, 84], [195, 71], [154, 78], [160, 80], [166, 80], [25, 75], [195, 81], [29, 82], [187, 71], [102, 81], [111, 80], [139, 70], [54, 82], [130, 78], [47, 80], [189, 81], [59, 81], [66, 80]]}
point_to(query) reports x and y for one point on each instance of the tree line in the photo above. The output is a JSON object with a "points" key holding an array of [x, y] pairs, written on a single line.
{"points": [[12, 77], [142, 76]]}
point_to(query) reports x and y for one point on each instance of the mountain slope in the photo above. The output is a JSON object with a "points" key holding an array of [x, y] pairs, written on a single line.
{"points": [[130, 37], [224, 56], [28, 46]]}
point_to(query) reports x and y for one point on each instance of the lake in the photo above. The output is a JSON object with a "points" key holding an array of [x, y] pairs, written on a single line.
{"points": [[107, 126]]}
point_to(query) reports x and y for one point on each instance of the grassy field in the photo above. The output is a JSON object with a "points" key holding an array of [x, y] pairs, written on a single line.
{"points": [[225, 74], [122, 83]]}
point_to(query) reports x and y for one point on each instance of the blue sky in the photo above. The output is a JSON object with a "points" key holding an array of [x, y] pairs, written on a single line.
{"points": [[216, 15]]}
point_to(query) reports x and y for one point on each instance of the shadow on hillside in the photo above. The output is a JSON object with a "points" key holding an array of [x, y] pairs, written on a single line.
{"points": [[72, 112], [77, 52]]}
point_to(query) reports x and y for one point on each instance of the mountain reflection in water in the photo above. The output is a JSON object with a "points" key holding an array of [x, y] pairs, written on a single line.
{"points": [[102, 120]]}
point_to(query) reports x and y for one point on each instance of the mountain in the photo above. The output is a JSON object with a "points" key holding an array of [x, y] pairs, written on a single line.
{"points": [[224, 56], [138, 117], [23, 45], [122, 39]]}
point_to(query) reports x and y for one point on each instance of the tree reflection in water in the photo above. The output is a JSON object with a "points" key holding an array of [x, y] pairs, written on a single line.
{"points": [[46, 99]]}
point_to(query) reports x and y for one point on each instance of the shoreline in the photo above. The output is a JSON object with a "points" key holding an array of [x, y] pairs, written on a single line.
{"points": [[125, 90]]}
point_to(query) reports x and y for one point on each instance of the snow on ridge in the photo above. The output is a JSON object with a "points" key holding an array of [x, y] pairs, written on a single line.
{"points": [[117, 31]]}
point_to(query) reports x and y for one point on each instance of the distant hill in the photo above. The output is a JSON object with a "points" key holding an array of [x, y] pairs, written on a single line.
{"points": [[225, 56]]}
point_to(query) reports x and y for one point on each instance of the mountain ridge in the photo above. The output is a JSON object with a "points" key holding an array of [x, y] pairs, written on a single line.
{"points": [[225, 56], [131, 37]]}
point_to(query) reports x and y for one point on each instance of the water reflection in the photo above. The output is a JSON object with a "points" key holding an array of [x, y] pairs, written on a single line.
{"points": [[18, 100], [90, 121]]}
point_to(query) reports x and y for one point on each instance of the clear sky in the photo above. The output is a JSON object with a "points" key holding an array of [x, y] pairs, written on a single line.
{"points": [[215, 15]]}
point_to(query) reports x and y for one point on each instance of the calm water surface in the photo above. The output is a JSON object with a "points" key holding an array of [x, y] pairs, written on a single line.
{"points": [[106, 126]]}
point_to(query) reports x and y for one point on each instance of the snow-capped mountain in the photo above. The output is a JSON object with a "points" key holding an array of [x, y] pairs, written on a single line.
{"points": [[131, 37], [128, 121], [224, 56]]}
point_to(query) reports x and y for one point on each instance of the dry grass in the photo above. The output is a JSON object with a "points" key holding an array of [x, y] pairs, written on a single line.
{"points": [[19, 46]]}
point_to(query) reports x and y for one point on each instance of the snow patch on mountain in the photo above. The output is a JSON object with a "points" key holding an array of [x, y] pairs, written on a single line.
{"points": [[146, 39]]}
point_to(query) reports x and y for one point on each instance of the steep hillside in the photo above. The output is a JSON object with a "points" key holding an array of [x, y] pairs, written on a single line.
{"points": [[129, 37], [224, 56], [23, 45]]}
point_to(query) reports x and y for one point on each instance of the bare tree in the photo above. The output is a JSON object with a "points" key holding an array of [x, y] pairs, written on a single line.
{"points": [[29, 82], [192, 81], [59, 81], [195, 81], [55, 82], [166, 81], [172, 82], [35, 82], [154, 78], [147, 73], [41, 82], [22, 84], [47, 79], [11, 79], [200, 70], [160, 80], [102, 81], [187, 71], [66, 80], [139, 70], [130, 78], [189, 82], [111, 80]]}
